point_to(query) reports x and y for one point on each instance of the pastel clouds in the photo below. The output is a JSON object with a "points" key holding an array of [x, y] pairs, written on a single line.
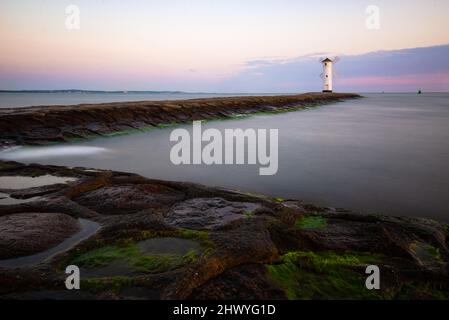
{"points": [[395, 70]]}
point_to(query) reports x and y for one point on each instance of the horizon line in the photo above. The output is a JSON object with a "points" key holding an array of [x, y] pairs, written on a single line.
{"points": [[191, 92]]}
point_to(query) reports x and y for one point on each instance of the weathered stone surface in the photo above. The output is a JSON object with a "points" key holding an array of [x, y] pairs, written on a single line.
{"points": [[125, 199], [208, 213], [377, 234], [240, 235], [29, 233], [247, 282]]}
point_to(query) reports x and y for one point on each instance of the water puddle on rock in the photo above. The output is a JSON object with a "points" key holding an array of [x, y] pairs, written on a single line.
{"points": [[7, 200], [153, 255], [88, 228], [23, 182]]}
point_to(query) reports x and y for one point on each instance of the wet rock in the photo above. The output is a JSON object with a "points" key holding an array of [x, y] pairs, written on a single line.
{"points": [[208, 213], [154, 255], [410, 238], [248, 282], [28, 233], [126, 199], [249, 243], [241, 236]]}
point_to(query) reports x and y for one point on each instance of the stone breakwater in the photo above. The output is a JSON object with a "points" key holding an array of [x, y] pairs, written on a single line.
{"points": [[173, 240], [45, 124]]}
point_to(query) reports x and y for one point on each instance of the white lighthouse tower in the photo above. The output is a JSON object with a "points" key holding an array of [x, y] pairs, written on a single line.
{"points": [[327, 74]]}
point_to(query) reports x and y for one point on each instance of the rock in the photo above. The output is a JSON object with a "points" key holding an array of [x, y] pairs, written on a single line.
{"points": [[250, 246], [401, 237], [248, 282], [40, 125], [208, 213], [126, 199], [29, 233]]}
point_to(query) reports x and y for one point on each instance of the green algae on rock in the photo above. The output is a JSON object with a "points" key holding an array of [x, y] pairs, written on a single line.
{"points": [[144, 248], [152, 255], [311, 222], [323, 275]]}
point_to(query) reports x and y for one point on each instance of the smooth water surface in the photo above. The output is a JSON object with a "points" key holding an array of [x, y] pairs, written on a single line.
{"points": [[28, 99], [386, 153]]}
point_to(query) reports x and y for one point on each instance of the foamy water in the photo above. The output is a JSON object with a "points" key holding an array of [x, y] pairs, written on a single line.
{"points": [[30, 153]]}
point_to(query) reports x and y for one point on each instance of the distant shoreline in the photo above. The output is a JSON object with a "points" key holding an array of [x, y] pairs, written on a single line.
{"points": [[142, 92], [92, 91], [82, 91]]}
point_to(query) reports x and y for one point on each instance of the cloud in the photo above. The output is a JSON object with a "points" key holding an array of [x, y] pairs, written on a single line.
{"points": [[398, 70]]}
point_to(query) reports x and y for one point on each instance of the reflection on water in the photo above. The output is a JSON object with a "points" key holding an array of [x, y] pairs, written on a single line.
{"points": [[26, 99], [383, 154], [7, 200], [22, 182]]}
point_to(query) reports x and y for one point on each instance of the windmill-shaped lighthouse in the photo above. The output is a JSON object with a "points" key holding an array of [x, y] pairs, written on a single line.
{"points": [[328, 73]]}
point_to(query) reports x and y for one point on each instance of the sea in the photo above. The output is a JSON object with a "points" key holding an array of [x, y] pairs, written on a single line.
{"points": [[383, 154]]}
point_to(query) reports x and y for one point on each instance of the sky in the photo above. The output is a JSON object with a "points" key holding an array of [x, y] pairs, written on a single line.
{"points": [[223, 46]]}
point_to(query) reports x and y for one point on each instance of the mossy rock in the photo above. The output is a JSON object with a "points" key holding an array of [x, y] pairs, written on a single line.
{"points": [[153, 255], [426, 254], [311, 222], [325, 275], [130, 254], [249, 214]]}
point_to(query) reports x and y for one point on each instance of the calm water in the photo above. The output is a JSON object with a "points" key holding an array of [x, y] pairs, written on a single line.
{"points": [[384, 154], [18, 100]]}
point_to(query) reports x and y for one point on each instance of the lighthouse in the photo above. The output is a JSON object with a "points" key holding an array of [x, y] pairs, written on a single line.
{"points": [[327, 74]]}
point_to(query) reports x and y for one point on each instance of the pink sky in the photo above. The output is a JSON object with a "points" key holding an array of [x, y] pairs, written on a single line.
{"points": [[199, 45]]}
